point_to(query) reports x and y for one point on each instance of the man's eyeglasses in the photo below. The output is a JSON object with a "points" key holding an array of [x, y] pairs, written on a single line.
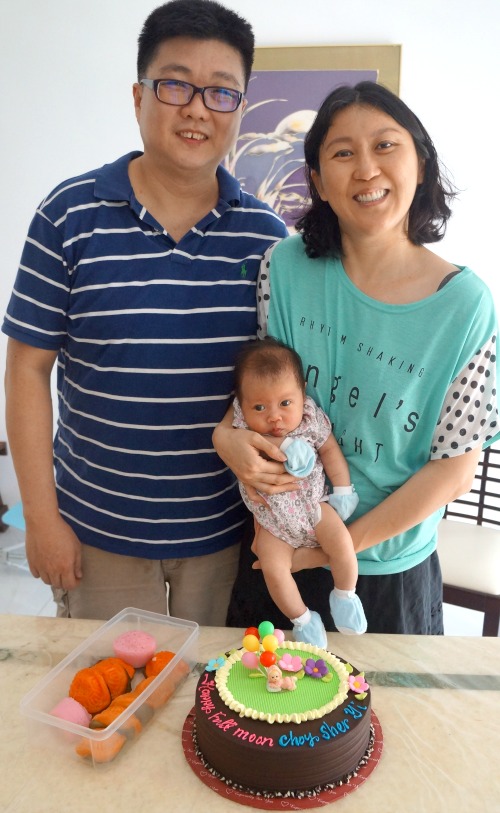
{"points": [[171, 91]]}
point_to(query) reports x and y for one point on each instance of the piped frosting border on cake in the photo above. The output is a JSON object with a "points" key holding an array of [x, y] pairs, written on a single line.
{"points": [[222, 676]]}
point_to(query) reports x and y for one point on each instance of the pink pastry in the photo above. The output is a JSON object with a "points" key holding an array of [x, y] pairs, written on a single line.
{"points": [[135, 647], [72, 711]]}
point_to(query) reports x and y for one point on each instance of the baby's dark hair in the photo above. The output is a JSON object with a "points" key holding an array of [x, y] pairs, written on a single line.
{"points": [[268, 358]]}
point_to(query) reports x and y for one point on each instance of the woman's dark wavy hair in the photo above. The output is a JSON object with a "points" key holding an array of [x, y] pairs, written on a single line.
{"points": [[429, 211]]}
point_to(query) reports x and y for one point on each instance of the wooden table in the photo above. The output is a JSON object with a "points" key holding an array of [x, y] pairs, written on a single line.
{"points": [[437, 700]]}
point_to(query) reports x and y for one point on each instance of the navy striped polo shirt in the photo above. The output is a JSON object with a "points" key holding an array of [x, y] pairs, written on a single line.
{"points": [[146, 332]]}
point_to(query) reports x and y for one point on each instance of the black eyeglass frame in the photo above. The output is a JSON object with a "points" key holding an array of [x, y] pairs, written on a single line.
{"points": [[154, 84]]}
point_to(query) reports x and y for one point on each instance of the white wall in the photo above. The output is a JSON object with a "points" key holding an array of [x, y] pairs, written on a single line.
{"points": [[67, 68]]}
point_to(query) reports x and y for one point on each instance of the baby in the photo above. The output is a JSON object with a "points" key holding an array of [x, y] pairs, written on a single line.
{"points": [[270, 399]]}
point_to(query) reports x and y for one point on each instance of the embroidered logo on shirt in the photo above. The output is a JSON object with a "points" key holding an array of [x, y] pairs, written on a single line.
{"points": [[243, 270]]}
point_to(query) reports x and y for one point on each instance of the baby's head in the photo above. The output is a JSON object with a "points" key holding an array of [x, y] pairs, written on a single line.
{"points": [[269, 384], [274, 675]]}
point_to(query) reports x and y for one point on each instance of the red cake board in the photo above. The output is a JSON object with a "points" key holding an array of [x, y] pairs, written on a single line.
{"points": [[321, 799]]}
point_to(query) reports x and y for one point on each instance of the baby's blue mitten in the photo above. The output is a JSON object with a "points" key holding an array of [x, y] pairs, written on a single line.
{"points": [[344, 500], [300, 457]]}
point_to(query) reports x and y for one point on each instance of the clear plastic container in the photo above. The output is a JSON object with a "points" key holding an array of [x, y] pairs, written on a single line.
{"points": [[100, 747]]}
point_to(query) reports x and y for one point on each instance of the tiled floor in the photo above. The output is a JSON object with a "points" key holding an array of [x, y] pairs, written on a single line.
{"points": [[21, 594]]}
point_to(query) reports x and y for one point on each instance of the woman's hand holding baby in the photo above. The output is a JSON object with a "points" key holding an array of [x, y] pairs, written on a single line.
{"points": [[255, 461]]}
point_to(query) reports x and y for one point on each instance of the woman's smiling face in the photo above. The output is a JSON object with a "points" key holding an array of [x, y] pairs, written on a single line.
{"points": [[369, 171]]}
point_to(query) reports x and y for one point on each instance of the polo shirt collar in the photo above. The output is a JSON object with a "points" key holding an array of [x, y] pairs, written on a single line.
{"points": [[113, 183], [229, 187]]}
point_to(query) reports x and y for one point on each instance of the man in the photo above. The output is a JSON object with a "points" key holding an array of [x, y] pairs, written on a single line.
{"points": [[139, 279]]}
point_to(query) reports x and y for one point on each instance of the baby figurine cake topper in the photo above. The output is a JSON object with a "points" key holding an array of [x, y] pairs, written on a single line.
{"points": [[277, 683]]}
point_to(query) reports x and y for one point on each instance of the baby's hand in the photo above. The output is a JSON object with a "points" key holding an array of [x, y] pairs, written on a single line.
{"points": [[344, 500], [300, 457]]}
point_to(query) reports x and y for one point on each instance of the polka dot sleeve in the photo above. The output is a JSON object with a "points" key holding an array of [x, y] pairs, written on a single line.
{"points": [[264, 293], [469, 416]]}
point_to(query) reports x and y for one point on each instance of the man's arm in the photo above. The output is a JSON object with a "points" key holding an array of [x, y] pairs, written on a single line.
{"points": [[52, 548]]}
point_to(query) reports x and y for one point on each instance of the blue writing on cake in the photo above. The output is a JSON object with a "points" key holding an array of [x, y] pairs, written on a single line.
{"points": [[287, 740], [355, 711], [328, 732]]}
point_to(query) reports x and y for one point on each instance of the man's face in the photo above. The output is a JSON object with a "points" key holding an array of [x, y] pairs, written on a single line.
{"points": [[191, 138]]}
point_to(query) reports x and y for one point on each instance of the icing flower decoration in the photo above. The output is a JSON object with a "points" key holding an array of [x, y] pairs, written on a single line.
{"points": [[215, 663], [316, 669], [358, 684], [290, 663]]}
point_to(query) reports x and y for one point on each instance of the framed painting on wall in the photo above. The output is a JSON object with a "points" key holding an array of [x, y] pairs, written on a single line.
{"points": [[285, 91]]}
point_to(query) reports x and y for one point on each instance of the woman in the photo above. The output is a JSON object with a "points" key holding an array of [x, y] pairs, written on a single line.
{"points": [[398, 346]]}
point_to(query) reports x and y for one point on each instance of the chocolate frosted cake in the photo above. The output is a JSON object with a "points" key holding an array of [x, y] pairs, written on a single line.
{"points": [[299, 724]]}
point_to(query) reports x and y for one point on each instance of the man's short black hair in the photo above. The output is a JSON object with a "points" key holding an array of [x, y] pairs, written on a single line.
{"points": [[198, 19]]}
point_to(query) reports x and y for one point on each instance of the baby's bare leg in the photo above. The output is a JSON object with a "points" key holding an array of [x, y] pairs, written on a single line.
{"points": [[302, 559], [275, 557], [307, 558], [336, 542], [345, 606]]}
